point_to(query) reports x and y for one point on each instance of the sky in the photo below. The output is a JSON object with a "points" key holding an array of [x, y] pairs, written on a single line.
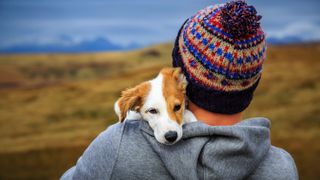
{"points": [[141, 22]]}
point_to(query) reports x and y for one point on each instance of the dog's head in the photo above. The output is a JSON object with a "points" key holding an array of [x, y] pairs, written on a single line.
{"points": [[161, 102]]}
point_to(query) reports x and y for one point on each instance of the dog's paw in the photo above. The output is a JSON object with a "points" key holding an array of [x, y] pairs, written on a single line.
{"points": [[133, 115]]}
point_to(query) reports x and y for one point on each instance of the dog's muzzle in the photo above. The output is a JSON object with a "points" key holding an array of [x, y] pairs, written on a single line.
{"points": [[171, 136]]}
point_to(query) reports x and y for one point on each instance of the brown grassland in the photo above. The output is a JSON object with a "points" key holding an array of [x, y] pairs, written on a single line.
{"points": [[53, 105]]}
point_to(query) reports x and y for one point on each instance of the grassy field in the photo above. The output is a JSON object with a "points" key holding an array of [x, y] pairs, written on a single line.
{"points": [[52, 106]]}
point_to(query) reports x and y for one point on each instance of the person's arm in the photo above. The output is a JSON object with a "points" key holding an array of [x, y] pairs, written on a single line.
{"points": [[277, 165], [99, 158], [289, 170]]}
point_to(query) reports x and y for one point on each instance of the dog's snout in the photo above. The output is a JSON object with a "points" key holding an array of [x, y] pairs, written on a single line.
{"points": [[171, 136]]}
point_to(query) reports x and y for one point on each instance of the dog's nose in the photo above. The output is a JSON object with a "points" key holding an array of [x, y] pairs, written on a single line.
{"points": [[171, 136]]}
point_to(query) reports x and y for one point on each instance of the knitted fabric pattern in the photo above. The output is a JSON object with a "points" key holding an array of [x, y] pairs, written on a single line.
{"points": [[221, 57]]}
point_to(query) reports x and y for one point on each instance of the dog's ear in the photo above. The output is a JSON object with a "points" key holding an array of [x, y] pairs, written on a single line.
{"points": [[127, 103], [180, 78], [132, 99], [176, 73]]}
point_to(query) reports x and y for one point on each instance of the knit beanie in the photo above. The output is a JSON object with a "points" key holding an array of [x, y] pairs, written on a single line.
{"points": [[221, 50]]}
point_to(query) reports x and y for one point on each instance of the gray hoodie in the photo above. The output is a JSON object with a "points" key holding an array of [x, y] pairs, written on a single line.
{"points": [[129, 151]]}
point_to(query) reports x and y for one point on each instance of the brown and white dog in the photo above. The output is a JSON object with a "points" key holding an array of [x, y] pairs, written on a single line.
{"points": [[161, 102]]}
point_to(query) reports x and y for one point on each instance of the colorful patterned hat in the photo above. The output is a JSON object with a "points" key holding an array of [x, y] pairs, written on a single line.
{"points": [[221, 51]]}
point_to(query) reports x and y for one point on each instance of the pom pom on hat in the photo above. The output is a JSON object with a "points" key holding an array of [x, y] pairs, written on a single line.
{"points": [[239, 19]]}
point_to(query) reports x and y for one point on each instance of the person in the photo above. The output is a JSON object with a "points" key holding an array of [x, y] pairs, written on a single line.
{"points": [[221, 51]]}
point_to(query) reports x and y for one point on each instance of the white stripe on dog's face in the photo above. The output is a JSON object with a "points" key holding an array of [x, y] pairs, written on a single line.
{"points": [[164, 105]]}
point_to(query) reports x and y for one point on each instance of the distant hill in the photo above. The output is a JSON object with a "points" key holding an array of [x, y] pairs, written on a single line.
{"points": [[285, 40], [96, 45], [53, 105], [104, 45]]}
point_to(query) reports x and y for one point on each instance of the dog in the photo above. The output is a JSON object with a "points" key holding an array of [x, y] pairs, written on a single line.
{"points": [[161, 102]]}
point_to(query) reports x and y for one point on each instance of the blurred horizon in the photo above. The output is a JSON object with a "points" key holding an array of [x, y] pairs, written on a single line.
{"points": [[53, 105], [88, 26]]}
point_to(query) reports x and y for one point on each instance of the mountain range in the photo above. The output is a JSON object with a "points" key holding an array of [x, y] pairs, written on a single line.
{"points": [[96, 45], [102, 44]]}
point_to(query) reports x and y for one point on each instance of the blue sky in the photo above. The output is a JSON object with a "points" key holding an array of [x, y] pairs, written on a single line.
{"points": [[140, 22]]}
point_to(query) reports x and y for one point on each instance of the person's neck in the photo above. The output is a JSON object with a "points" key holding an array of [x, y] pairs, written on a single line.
{"points": [[214, 119]]}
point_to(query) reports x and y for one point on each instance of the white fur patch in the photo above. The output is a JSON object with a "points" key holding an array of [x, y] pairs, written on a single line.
{"points": [[159, 122]]}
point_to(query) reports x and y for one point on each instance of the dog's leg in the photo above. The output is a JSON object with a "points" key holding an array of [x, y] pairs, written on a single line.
{"points": [[189, 117], [116, 108]]}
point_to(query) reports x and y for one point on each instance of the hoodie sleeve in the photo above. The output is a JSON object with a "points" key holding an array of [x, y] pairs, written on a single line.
{"points": [[278, 164], [99, 158]]}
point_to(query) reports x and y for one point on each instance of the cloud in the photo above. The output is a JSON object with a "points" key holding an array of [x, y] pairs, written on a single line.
{"points": [[142, 22], [121, 31], [306, 31]]}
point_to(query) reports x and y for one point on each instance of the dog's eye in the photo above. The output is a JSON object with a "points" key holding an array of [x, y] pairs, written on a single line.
{"points": [[176, 107], [153, 111]]}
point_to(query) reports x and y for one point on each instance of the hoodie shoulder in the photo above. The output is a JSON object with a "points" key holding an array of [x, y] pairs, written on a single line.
{"points": [[98, 160], [278, 164]]}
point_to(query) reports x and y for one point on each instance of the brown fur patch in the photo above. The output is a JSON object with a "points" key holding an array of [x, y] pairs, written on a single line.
{"points": [[174, 89], [133, 99]]}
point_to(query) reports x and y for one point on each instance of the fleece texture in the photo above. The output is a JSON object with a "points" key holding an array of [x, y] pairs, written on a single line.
{"points": [[130, 151]]}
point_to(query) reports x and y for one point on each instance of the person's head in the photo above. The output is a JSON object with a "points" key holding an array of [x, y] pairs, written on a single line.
{"points": [[221, 50]]}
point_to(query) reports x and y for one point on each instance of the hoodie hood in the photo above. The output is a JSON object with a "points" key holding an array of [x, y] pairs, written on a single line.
{"points": [[213, 152]]}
